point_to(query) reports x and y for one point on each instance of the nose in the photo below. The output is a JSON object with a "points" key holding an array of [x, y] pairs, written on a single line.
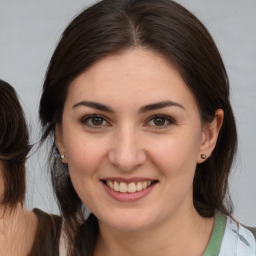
{"points": [[126, 151]]}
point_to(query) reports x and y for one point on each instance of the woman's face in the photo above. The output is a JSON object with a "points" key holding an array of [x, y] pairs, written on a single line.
{"points": [[132, 136]]}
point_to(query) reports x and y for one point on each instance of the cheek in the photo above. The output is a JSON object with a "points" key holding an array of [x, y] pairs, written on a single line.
{"points": [[84, 160], [176, 156], [85, 155], [176, 163]]}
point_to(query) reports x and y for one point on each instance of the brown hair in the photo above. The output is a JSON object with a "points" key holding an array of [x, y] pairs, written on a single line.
{"points": [[167, 28], [14, 146]]}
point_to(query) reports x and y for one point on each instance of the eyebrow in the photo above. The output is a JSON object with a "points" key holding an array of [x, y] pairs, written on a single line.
{"points": [[143, 109], [159, 105], [94, 105]]}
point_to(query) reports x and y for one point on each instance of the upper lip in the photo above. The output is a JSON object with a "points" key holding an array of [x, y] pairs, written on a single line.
{"points": [[127, 180]]}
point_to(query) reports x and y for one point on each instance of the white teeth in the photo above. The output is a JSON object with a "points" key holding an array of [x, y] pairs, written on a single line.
{"points": [[139, 186], [116, 186], [123, 187], [144, 184], [132, 187], [111, 185]]}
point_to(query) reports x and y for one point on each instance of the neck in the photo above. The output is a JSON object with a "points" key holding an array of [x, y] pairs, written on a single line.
{"points": [[186, 234], [17, 230]]}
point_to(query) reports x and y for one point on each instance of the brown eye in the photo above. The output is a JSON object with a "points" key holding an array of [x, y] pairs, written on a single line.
{"points": [[97, 121], [94, 121], [159, 121]]}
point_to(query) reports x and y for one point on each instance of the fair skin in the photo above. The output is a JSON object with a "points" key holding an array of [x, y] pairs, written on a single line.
{"points": [[130, 119], [17, 227]]}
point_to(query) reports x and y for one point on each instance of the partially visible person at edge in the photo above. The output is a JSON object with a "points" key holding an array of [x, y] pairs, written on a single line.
{"points": [[22, 232], [136, 105]]}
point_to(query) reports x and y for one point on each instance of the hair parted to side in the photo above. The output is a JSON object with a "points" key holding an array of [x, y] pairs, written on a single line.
{"points": [[166, 28], [14, 146]]}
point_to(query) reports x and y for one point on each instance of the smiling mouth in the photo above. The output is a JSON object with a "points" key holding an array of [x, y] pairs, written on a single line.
{"points": [[131, 187]]}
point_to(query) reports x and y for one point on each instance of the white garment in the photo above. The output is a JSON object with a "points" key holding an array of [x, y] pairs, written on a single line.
{"points": [[237, 240]]}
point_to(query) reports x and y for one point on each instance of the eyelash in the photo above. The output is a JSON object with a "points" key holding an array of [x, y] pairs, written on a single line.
{"points": [[166, 119], [87, 120]]}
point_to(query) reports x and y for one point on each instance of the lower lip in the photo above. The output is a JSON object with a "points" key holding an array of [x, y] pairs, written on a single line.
{"points": [[128, 197]]}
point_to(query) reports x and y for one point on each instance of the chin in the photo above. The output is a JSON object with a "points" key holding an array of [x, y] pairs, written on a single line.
{"points": [[126, 226], [128, 222]]}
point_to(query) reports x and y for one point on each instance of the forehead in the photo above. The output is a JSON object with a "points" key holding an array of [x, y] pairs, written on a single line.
{"points": [[137, 75]]}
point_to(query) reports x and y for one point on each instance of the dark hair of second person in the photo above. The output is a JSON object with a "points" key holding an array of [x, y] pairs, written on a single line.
{"points": [[14, 146], [22, 232]]}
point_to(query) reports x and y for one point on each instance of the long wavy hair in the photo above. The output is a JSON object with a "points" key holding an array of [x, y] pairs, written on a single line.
{"points": [[162, 26]]}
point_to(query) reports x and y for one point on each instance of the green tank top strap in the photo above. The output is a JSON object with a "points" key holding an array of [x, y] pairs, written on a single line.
{"points": [[213, 248]]}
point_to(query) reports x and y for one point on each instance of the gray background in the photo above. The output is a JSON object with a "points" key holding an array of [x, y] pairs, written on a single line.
{"points": [[29, 32]]}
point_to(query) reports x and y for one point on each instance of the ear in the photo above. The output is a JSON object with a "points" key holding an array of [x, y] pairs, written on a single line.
{"points": [[60, 144], [210, 136]]}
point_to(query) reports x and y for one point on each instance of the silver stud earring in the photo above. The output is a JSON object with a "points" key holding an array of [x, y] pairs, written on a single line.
{"points": [[62, 157], [203, 156]]}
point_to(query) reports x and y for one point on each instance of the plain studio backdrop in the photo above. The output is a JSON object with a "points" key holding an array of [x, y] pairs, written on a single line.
{"points": [[30, 30]]}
